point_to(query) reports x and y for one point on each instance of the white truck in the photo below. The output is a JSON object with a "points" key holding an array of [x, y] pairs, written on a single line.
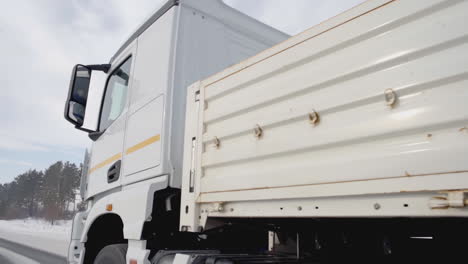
{"points": [[345, 143]]}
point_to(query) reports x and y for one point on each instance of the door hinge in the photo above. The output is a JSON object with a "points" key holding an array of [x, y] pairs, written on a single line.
{"points": [[192, 165], [451, 199]]}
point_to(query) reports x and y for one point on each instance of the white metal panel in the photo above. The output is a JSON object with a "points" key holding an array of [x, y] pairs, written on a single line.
{"points": [[361, 146], [151, 73], [144, 138], [369, 148], [380, 205], [210, 37], [144, 132], [189, 42]]}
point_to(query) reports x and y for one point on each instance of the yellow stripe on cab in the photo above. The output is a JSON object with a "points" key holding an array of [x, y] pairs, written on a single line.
{"points": [[130, 150]]}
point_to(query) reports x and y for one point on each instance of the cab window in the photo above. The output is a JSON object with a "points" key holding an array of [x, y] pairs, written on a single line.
{"points": [[115, 95]]}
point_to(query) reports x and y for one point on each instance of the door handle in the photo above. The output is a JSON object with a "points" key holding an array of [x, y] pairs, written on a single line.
{"points": [[114, 172]]}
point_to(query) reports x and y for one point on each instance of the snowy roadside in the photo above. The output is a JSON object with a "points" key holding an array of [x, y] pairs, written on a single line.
{"points": [[38, 234], [12, 257]]}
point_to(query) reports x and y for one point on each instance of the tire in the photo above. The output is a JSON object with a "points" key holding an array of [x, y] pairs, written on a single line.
{"points": [[112, 254]]}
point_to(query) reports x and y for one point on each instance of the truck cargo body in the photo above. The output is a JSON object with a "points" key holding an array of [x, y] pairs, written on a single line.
{"points": [[363, 115]]}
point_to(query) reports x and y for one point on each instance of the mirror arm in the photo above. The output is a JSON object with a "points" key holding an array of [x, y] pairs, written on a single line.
{"points": [[94, 135], [99, 67], [84, 129]]}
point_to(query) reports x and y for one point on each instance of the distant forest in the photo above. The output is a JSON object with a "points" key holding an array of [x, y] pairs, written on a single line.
{"points": [[48, 194]]}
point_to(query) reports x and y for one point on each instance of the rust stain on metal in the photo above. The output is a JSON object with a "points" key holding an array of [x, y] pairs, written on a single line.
{"points": [[216, 142], [463, 129], [258, 131], [454, 190], [314, 117], [390, 97], [442, 199]]}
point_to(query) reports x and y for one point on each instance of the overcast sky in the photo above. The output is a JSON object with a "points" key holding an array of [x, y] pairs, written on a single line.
{"points": [[42, 40]]}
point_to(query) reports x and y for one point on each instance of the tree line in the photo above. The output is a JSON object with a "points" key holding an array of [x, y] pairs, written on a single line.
{"points": [[48, 194]]}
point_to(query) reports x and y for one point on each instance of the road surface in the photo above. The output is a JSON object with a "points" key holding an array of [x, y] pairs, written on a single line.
{"points": [[28, 252], [4, 260]]}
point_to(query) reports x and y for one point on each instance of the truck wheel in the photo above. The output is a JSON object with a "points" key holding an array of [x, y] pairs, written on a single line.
{"points": [[112, 254]]}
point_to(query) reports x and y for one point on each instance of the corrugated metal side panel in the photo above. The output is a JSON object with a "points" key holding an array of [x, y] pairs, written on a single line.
{"points": [[419, 49]]}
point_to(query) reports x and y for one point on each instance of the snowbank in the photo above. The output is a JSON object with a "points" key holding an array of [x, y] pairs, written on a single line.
{"points": [[38, 234]]}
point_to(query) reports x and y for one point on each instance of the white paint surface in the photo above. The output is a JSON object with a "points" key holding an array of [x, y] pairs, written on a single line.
{"points": [[361, 146]]}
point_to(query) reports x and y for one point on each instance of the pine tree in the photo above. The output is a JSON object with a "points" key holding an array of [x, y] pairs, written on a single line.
{"points": [[70, 183], [29, 185], [50, 194]]}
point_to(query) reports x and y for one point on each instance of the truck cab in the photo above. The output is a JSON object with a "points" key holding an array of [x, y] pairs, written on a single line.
{"points": [[138, 139]]}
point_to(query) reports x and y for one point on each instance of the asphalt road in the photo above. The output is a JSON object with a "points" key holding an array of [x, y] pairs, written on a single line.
{"points": [[4, 260], [34, 254]]}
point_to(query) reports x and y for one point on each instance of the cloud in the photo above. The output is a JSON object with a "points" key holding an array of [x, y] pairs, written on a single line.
{"points": [[38, 50], [38, 56], [16, 162], [292, 17], [9, 143]]}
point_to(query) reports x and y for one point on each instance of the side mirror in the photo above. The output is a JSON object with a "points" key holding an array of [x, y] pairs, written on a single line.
{"points": [[75, 106]]}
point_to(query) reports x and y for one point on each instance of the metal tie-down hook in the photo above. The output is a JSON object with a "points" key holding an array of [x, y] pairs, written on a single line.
{"points": [[390, 97]]}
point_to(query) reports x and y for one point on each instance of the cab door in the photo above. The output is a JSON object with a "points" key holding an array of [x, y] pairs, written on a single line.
{"points": [[146, 148], [107, 151]]}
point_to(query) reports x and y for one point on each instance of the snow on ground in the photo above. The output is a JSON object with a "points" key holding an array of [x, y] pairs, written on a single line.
{"points": [[12, 257], [38, 234]]}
